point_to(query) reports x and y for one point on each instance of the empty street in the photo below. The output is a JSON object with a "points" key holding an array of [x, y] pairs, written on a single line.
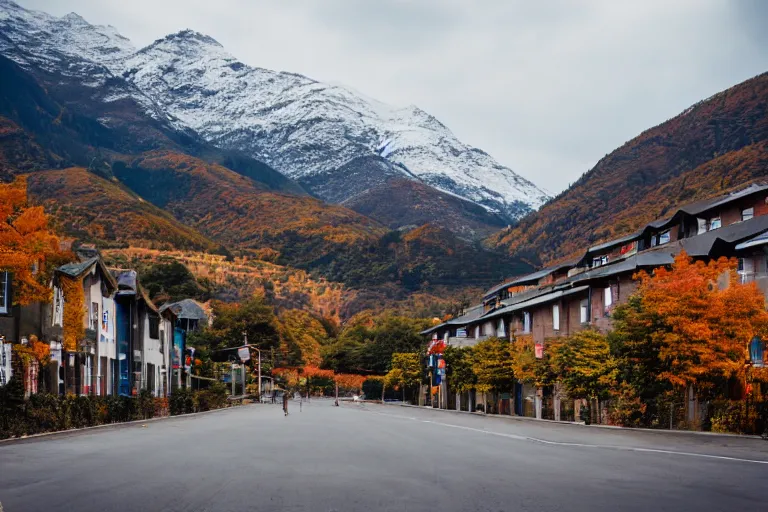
{"points": [[371, 457]]}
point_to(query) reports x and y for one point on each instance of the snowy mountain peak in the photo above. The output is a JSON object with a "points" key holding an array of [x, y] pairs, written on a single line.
{"points": [[188, 36], [314, 132]]}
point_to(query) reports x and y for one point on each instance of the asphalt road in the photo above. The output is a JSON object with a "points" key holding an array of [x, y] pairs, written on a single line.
{"points": [[364, 457]]}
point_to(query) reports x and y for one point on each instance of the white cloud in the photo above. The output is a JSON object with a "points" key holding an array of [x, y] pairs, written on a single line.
{"points": [[547, 88]]}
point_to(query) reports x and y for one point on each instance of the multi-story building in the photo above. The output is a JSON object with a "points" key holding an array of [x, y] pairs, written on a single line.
{"points": [[566, 298]]}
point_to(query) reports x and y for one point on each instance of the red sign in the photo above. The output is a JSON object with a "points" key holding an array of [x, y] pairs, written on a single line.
{"points": [[539, 350]]}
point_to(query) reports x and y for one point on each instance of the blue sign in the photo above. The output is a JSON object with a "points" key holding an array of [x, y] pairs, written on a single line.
{"points": [[756, 351]]}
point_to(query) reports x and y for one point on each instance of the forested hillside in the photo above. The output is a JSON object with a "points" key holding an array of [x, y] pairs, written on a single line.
{"points": [[715, 145]]}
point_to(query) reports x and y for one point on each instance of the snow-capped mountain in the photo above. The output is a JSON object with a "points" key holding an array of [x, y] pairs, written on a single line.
{"points": [[69, 50], [314, 132], [306, 128]]}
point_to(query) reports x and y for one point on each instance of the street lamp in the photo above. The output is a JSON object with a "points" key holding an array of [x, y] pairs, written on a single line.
{"points": [[245, 336]]}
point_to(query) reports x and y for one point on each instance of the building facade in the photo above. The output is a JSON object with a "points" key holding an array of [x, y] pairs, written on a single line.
{"points": [[582, 293]]}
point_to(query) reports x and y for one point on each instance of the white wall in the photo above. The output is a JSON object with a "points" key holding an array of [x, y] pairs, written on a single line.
{"points": [[152, 355]]}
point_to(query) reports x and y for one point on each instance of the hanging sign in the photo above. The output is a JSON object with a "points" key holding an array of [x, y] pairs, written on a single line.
{"points": [[244, 354]]}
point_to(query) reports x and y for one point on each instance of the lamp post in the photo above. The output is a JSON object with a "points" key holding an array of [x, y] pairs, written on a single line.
{"points": [[258, 383]]}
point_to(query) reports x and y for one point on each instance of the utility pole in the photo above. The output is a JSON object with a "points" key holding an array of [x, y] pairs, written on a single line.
{"points": [[245, 336]]}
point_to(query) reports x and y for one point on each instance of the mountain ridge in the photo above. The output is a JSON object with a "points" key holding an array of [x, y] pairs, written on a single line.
{"points": [[258, 116], [709, 148]]}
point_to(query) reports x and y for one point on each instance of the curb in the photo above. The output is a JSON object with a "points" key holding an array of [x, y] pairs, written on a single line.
{"points": [[125, 424], [580, 424]]}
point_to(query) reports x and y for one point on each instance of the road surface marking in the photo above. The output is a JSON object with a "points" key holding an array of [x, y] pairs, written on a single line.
{"points": [[575, 445]]}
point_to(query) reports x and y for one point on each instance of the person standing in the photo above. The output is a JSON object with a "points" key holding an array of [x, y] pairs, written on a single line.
{"points": [[285, 403]]}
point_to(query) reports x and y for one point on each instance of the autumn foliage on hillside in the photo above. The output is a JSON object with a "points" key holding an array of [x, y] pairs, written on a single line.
{"points": [[28, 248], [96, 210], [712, 147]]}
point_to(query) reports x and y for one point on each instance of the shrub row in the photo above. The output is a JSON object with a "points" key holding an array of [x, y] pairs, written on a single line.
{"points": [[50, 413]]}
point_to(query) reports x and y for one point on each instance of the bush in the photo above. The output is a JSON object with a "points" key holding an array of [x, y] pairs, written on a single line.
{"points": [[733, 416], [146, 404], [181, 401], [214, 397], [49, 413], [372, 388]]}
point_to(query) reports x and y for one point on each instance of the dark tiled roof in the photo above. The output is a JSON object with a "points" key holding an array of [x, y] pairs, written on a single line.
{"points": [[473, 313], [541, 299], [127, 281], [707, 204], [78, 269], [704, 244], [532, 277], [691, 209], [186, 308]]}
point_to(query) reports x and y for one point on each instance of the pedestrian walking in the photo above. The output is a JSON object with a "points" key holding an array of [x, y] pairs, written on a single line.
{"points": [[285, 403]]}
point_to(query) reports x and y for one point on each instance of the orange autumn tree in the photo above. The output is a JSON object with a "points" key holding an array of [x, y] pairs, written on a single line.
{"points": [[26, 244], [706, 318]]}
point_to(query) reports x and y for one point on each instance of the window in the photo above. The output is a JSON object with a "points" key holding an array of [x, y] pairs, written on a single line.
{"points": [[95, 316], [584, 311], [715, 223], [501, 331], [747, 213], [756, 352], [664, 237], [654, 240], [154, 327], [746, 269], [556, 317], [600, 260], [477, 332], [608, 298], [702, 226], [526, 322], [5, 300]]}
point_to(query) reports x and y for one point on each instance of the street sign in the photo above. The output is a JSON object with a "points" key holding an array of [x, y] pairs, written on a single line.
{"points": [[244, 354]]}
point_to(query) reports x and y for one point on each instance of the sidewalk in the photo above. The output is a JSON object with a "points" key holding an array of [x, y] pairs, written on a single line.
{"points": [[13, 440], [572, 423]]}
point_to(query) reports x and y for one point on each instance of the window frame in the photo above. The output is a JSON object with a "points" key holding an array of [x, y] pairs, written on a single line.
{"points": [[747, 216], [712, 221], [584, 311], [607, 297], [5, 300], [668, 234], [154, 327], [556, 317]]}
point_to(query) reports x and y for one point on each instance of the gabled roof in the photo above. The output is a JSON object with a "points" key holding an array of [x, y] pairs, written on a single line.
{"points": [[691, 209], [530, 278], [541, 299], [707, 204], [472, 313], [704, 244], [83, 267], [186, 308], [127, 281]]}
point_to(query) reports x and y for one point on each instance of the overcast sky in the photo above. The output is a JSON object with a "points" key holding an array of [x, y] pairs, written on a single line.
{"points": [[547, 88]]}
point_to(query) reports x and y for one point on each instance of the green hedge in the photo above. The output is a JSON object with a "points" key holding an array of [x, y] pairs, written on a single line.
{"points": [[49, 413]]}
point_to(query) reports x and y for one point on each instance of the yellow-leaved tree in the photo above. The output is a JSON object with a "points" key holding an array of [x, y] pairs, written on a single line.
{"points": [[28, 248]]}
